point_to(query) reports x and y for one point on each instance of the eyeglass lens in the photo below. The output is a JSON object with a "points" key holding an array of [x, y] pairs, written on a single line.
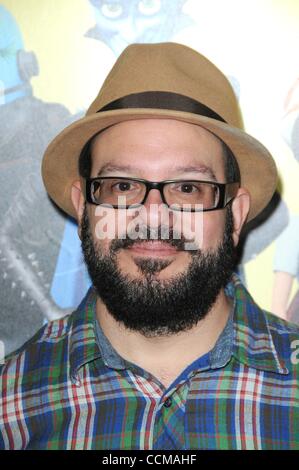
{"points": [[178, 193]]}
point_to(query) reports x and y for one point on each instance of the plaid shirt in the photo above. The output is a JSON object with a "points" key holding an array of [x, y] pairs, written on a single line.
{"points": [[67, 388]]}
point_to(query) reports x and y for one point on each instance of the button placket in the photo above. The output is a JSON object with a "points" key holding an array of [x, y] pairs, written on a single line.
{"points": [[168, 402]]}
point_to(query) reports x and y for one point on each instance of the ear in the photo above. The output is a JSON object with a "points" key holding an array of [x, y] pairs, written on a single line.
{"points": [[78, 202], [240, 209]]}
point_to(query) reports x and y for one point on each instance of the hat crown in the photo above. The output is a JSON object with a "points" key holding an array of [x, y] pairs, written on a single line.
{"points": [[174, 68]]}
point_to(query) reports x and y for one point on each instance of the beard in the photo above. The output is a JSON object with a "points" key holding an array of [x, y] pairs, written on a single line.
{"points": [[151, 306]]}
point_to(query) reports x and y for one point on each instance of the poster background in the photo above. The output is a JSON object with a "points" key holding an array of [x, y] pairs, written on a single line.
{"points": [[253, 42]]}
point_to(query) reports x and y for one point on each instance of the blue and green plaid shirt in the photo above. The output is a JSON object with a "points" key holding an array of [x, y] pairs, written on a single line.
{"points": [[67, 388]]}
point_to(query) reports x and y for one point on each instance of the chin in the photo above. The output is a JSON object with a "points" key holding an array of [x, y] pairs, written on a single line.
{"points": [[160, 268]]}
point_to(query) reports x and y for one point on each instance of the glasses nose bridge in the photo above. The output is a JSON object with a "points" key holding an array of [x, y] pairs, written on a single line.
{"points": [[159, 185]]}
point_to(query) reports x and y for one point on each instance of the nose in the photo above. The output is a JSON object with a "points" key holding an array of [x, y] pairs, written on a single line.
{"points": [[155, 211], [153, 197]]}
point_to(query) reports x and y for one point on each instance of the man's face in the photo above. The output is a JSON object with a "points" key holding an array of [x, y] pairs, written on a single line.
{"points": [[158, 150], [158, 287]]}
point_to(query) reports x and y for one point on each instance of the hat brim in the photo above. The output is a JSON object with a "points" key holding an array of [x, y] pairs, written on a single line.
{"points": [[60, 163]]}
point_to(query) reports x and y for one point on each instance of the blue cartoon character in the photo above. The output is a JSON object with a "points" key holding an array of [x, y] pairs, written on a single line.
{"points": [[121, 22], [31, 227], [17, 66]]}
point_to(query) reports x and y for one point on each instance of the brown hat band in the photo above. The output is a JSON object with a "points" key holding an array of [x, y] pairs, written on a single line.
{"points": [[162, 100]]}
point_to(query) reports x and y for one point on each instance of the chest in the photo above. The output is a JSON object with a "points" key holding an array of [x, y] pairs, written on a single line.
{"points": [[220, 409]]}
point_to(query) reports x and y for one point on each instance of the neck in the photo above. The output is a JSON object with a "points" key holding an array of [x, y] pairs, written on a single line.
{"points": [[172, 353]]}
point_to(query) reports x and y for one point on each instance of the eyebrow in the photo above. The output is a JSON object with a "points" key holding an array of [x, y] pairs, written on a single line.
{"points": [[197, 169], [203, 169], [108, 167]]}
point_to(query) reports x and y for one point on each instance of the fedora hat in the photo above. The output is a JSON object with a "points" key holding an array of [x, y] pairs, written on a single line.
{"points": [[164, 81]]}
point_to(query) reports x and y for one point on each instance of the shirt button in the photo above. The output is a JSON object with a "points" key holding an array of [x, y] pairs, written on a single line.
{"points": [[168, 402]]}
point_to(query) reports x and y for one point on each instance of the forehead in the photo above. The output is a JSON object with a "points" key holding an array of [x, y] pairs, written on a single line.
{"points": [[158, 144]]}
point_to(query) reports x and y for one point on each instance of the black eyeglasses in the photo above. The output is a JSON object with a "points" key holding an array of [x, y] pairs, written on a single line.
{"points": [[181, 195]]}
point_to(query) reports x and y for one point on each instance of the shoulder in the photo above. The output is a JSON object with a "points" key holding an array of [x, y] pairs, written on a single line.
{"points": [[25, 377], [281, 326], [285, 337], [46, 356], [262, 339], [24, 367]]}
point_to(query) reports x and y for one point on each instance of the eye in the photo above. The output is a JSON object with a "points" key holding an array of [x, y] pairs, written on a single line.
{"points": [[112, 10], [188, 188], [149, 7], [123, 186]]}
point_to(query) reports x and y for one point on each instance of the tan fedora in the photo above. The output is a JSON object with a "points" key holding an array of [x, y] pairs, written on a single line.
{"points": [[165, 80]]}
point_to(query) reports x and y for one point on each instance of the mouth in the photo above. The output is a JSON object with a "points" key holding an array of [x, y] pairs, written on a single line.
{"points": [[153, 249]]}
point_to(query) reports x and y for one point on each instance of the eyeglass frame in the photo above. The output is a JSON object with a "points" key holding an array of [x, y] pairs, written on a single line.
{"points": [[224, 197]]}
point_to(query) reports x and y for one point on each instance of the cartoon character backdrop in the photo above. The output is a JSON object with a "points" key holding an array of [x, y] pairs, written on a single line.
{"points": [[54, 57]]}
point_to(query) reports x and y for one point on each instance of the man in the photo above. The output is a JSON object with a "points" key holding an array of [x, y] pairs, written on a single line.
{"points": [[168, 350]]}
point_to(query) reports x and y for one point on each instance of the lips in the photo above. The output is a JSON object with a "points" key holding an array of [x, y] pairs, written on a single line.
{"points": [[153, 248]]}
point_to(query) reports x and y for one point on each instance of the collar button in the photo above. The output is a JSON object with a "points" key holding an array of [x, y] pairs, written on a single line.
{"points": [[168, 402]]}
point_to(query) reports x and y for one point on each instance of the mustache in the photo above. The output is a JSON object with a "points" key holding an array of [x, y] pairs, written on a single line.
{"points": [[162, 233]]}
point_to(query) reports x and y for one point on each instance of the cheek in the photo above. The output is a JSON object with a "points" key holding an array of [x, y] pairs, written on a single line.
{"points": [[102, 227], [213, 229], [204, 228], [108, 224]]}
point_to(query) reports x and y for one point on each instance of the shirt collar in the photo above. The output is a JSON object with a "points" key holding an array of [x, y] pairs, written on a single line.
{"points": [[84, 346], [253, 343], [246, 336], [109, 355]]}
